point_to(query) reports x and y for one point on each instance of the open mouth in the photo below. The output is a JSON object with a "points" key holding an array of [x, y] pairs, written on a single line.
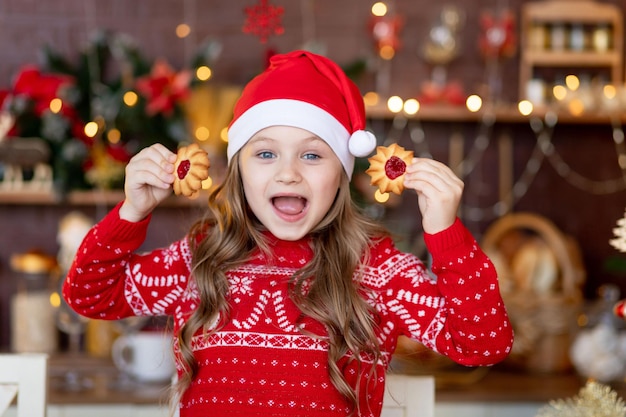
{"points": [[289, 205]]}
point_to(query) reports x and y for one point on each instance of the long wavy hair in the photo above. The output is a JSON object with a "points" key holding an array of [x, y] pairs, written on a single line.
{"points": [[326, 289]]}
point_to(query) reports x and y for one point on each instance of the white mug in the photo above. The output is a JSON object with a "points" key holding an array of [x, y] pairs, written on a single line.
{"points": [[146, 356]]}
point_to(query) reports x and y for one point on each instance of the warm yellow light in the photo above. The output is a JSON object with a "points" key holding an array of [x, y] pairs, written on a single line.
{"points": [[387, 52], [55, 105], [559, 92], [130, 98], [474, 103], [381, 197], [91, 129], [55, 300], [202, 133], [609, 91], [395, 104], [224, 134], [411, 106], [203, 73], [183, 30], [379, 9], [371, 98], [572, 82], [114, 136], [576, 107], [525, 107], [206, 184]]}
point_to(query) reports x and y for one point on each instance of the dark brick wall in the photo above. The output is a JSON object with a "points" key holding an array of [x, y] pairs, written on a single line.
{"points": [[26, 25], [340, 25]]}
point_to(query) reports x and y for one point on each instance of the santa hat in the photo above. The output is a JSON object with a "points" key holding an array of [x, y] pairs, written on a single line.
{"points": [[309, 91]]}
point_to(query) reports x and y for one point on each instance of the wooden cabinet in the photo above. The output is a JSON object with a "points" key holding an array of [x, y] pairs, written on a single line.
{"points": [[557, 36]]}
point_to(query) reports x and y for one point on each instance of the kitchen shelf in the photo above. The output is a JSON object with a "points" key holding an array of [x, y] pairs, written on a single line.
{"points": [[503, 113], [580, 59], [544, 16]]}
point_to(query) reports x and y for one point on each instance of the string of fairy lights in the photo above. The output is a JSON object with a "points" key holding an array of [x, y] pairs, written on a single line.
{"points": [[406, 119]]}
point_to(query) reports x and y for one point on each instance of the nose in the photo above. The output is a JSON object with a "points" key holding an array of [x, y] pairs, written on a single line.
{"points": [[287, 171]]}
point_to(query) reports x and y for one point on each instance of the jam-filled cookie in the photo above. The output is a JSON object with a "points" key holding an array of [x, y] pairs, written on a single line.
{"points": [[388, 166], [190, 169]]}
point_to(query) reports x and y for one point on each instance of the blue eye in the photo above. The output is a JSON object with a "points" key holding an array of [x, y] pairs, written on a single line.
{"points": [[311, 156], [265, 154]]}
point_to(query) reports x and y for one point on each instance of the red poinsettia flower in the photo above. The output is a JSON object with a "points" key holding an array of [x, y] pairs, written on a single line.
{"points": [[163, 88], [40, 88], [498, 38], [118, 153]]}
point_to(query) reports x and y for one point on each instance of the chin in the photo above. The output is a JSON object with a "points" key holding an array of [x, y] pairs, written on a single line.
{"points": [[291, 235]]}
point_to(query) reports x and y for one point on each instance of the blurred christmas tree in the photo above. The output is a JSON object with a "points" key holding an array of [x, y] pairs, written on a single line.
{"points": [[96, 112]]}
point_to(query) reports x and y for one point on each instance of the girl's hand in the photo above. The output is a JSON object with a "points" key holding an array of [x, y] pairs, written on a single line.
{"points": [[439, 192], [149, 178]]}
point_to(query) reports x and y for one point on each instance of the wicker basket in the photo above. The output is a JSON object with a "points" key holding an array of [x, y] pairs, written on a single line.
{"points": [[541, 274]]}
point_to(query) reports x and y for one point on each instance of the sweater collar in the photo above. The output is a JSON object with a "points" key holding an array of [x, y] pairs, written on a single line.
{"points": [[298, 251]]}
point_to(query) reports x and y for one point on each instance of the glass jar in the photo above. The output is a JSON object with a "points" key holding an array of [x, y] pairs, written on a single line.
{"points": [[601, 38], [538, 35], [558, 37], [33, 327], [577, 38]]}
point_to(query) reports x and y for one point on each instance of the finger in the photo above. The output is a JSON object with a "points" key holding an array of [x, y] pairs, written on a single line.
{"points": [[150, 178], [150, 171], [164, 152], [433, 171], [439, 182], [160, 155], [431, 165]]}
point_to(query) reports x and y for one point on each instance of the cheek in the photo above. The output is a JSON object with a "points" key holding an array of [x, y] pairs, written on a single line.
{"points": [[328, 187], [254, 187]]}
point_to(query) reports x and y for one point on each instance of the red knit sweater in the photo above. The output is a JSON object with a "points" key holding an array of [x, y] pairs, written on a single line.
{"points": [[259, 363]]}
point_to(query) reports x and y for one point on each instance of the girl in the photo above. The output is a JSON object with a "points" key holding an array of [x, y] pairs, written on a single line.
{"points": [[286, 300]]}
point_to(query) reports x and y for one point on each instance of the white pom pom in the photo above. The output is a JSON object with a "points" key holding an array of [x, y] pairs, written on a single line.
{"points": [[362, 143]]}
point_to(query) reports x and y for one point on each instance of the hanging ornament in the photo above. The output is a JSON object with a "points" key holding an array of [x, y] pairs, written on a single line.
{"points": [[386, 34], [264, 20], [440, 48], [385, 29], [497, 38], [442, 44], [497, 41]]}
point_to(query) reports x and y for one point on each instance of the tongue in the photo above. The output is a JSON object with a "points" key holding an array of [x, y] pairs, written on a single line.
{"points": [[289, 205]]}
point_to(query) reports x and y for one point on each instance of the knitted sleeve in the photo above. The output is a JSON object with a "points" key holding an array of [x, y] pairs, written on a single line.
{"points": [[459, 312], [109, 280]]}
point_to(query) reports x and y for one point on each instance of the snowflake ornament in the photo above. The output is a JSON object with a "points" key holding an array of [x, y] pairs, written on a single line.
{"points": [[264, 20]]}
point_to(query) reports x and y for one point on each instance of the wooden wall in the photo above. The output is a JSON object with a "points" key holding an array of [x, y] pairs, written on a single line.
{"points": [[27, 25]]}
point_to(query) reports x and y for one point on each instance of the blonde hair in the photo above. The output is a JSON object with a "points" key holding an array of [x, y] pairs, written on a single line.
{"points": [[326, 289]]}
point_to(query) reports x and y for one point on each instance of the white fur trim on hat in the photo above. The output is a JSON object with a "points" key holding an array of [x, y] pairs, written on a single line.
{"points": [[362, 143], [295, 113]]}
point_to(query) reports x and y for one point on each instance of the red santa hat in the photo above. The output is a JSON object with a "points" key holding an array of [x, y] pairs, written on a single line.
{"points": [[309, 91]]}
